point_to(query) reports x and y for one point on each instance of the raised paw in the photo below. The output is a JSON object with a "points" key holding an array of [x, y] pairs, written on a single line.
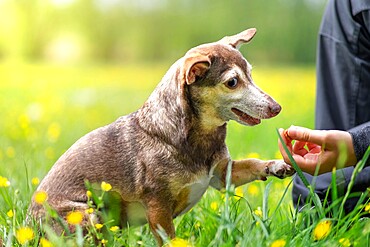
{"points": [[279, 168]]}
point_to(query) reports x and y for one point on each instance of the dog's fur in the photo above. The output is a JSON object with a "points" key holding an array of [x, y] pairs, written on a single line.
{"points": [[165, 155]]}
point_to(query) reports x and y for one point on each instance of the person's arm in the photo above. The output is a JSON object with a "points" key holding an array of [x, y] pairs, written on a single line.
{"points": [[317, 147]]}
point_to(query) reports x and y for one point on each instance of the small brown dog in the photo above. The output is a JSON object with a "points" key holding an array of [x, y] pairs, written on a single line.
{"points": [[162, 158]]}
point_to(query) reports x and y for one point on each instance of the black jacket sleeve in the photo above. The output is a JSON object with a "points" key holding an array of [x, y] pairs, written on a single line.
{"points": [[361, 140]]}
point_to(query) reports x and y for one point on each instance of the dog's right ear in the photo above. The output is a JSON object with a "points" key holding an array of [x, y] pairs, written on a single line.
{"points": [[195, 66]]}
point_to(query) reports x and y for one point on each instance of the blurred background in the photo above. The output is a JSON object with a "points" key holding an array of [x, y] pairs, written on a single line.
{"points": [[137, 31]]}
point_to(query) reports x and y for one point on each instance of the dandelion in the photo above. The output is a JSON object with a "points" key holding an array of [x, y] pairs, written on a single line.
{"points": [[239, 193], [98, 226], [214, 206], [367, 207], [40, 197], [35, 181], [53, 132], [89, 211], [4, 182], [322, 230], [253, 156], [10, 213], [106, 186], [24, 121], [88, 194], [45, 243], [24, 235], [278, 243], [344, 242], [104, 241], [74, 218], [179, 242], [252, 189], [258, 212], [114, 228]]}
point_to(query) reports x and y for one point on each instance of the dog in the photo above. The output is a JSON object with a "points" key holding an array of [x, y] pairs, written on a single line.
{"points": [[161, 159]]}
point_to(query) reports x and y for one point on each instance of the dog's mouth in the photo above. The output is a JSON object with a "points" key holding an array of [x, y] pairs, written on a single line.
{"points": [[244, 117]]}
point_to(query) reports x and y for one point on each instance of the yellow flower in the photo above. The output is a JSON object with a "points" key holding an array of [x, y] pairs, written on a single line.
{"points": [[252, 189], [258, 212], [53, 132], [253, 156], [104, 241], [45, 243], [106, 186], [179, 242], [214, 206], [40, 197], [89, 211], [74, 218], [35, 181], [4, 182], [344, 242], [322, 230], [278, 243], [24, 234], [367, 207], [238, 193], [89, 194], [114, 228], [24, 121], [10, 213], [99, 226]]}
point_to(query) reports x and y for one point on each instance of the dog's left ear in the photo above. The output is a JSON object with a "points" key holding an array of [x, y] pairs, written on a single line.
{"points": [[195, 66], [238, 39]]}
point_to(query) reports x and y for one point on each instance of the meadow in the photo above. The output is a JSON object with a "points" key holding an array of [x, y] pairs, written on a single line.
{"points": [[45, 108]]}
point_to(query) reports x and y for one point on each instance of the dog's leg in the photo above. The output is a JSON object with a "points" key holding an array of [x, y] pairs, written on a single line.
{"points": [[159, 216], [248, 170]]}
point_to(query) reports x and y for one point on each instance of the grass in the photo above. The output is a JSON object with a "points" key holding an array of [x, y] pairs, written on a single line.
{"points": [[46, 108]]}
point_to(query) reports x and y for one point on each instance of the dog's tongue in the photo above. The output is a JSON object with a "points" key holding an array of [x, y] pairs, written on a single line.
{"points": [[246, 118]]}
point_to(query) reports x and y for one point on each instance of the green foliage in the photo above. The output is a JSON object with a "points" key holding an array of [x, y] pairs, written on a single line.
{"points": [[155, 30]]}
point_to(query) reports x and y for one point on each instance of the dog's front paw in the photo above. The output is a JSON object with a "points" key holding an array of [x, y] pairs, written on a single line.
{"points": [[279, 168]]}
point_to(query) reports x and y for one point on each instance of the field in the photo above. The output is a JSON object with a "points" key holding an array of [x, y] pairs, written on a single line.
{"points": [[46, 108]]}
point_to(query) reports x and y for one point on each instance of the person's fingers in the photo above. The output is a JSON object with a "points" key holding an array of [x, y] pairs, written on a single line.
{"points": [[313, 148], [307, 163], [306, 135], [299, 148]]}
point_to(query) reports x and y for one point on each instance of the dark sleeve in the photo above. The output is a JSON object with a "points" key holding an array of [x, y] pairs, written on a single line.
{"points": [[361, 140]]}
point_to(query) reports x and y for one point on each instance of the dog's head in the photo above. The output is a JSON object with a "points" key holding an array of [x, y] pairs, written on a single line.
{"points": [[218, 79]]}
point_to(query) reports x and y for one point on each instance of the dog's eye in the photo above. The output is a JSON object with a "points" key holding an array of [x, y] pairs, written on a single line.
{"points": [[232, 83]]}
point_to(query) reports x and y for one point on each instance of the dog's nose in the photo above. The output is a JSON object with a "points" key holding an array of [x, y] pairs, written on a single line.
{"points": [[275, 108]]}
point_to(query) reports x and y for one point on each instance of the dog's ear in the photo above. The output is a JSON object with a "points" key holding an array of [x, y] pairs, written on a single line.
{"points": [[195, 66], [238, 39]]}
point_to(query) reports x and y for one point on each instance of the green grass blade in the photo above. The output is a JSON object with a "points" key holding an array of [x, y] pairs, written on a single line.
{"points": [[358, 168], [294, 164], [265, 201], [315, 197]]}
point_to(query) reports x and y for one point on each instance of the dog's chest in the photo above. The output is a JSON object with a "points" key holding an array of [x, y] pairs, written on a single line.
{"points": [[190, 193]]}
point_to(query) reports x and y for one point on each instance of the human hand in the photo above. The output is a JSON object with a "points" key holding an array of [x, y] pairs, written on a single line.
{"points": [[316, 147]]}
